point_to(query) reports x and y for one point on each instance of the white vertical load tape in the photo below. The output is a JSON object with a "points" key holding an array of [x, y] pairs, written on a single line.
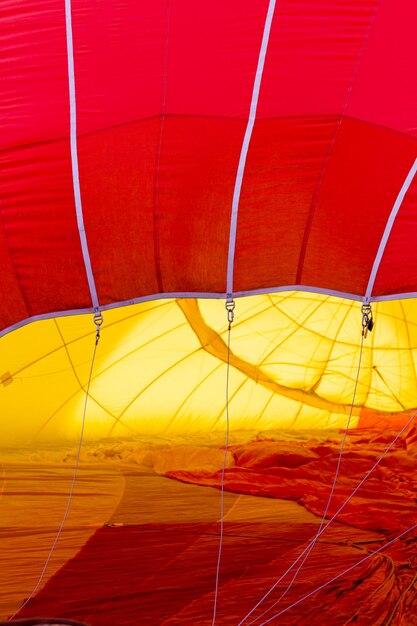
{"points": [[245, 147], [74, 157]]}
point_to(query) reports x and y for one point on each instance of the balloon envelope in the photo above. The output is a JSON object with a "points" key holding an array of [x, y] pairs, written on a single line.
{"points": [[157, 158]]}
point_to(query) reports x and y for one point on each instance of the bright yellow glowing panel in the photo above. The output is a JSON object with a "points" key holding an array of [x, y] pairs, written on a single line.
{"points": [[160, 369]]}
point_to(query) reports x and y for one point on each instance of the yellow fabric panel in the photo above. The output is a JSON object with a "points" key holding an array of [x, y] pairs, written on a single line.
{"points": [[160, 368]]}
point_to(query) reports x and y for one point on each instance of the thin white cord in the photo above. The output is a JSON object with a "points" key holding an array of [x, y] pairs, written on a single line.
{"points": [[313, 541], [71, 492], [226, 449]]}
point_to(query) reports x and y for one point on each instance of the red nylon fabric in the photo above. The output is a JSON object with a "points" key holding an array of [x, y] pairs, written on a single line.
{"points": [[163, 93], [304, 472]]}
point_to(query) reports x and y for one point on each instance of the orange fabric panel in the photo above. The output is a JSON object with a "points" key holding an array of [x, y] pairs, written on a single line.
{"points": [[371, 419], [33, 499], [156, 560]]}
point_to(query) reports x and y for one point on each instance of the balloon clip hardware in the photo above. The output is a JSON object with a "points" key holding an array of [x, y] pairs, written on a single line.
{"points": [[230, 308], [367, 320], [98, 320]]}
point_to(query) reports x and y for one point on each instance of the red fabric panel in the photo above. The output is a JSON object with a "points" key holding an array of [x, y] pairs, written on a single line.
{"points": [[283, 170], [385, 91], [118, 61], [398, 270], [157, 191], [197, 173], [13, 303], [157, 196], [333, 173], [274, 469], [126, 54], [165, 575], [366, 170], [34, 80], [328, 59], [213, 54], [37, 208], [39, 219], [117, 179], [188, 202], [312, 57]]}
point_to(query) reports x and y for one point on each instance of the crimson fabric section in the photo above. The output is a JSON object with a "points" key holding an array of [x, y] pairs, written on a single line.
{"points": [[357, 192], [399, 263], [41, 247], [194, 182], [128, 585], [117, 173], [13, 306], [134, 61], [282, 173], [196, 188], [154, 563], [303, 209], [119, 54], [39, 220], [325, 58], [177, 81], [384, 90], [162, 99], [34, 73], [313, 55]]}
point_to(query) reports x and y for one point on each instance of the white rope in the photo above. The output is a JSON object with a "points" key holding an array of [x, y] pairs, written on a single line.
{"points": [[71, 492], [305, 554], [226, 449]]}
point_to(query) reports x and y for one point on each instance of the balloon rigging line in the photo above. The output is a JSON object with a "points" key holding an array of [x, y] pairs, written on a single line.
{"points": [[74, 475], [305, 554], [346, 571], [226, 449]]}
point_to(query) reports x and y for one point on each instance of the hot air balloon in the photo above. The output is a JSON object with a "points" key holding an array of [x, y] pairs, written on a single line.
{"points": [[208, 337]]}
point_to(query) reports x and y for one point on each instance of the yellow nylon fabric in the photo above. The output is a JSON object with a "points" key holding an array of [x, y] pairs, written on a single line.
{"points": [[161, 366]]}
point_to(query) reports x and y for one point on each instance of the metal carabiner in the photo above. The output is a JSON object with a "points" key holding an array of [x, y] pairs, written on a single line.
{"points": [[367, 320], [98, 320], [230, 308]]}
